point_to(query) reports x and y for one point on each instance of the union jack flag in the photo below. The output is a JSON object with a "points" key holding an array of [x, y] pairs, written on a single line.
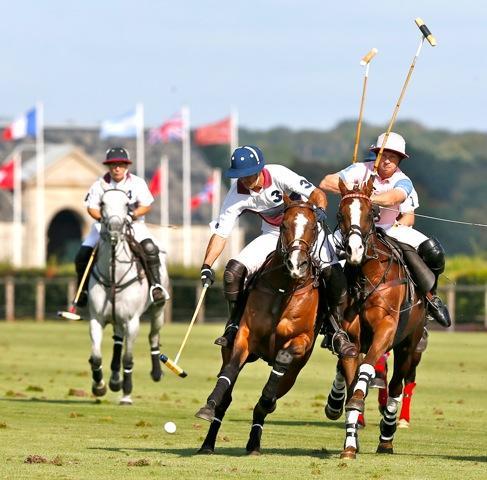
{"points": [[205, 196], [170, 131]]}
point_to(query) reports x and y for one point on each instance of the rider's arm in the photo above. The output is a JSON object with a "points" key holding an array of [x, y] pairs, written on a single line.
{"points": [[94, 213], [214, 249], [318, 198], [389, 199], [330, 183], [141, 211]]}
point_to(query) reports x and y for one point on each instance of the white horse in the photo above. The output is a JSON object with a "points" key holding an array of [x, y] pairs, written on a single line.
{"points": [[119, 294]]}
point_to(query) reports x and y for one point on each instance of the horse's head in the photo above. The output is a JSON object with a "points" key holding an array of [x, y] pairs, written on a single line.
{"points": [[299, 231], [114, 209], [355, 219]]}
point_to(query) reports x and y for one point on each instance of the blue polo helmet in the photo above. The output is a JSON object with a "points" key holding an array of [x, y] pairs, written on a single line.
{"points": [[245, 161]]}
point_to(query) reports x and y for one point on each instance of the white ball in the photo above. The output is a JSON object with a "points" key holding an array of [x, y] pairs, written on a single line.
{"points": [[170, 427]]}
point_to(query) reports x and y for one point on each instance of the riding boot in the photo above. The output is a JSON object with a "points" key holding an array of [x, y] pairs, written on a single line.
{"points": [[151, 251], [81, 262], [433, 255], [233, 286], [231, 327], [335, 292]]}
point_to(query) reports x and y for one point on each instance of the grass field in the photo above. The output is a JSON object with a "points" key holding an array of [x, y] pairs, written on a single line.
{"points": [[76, 438]]}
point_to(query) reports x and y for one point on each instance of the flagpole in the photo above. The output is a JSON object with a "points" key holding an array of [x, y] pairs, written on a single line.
{"points": [[215, 199], [139, 115], [17, 211], [164, 199], [40, 187], [234, 243], [186, 188]]}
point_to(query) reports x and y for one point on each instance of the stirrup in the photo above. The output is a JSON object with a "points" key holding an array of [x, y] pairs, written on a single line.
{"points": [[228, 337]]}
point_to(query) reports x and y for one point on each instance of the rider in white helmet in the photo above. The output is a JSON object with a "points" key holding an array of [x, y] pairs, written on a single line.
{"points": [[140, 200], [395, 195], [260, 189]]}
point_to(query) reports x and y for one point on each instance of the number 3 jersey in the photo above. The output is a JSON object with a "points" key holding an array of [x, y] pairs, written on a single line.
{"points": [[268, 203]]}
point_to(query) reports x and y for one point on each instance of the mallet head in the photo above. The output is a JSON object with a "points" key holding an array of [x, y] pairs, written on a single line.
{"points": [[367, 58], [172, 366], [426, 32]]}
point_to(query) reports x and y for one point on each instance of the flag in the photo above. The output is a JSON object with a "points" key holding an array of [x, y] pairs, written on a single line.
{"points": [[205, 196], [170, 131], [23, 126], [7, 175], [122, 126], [155, 183], [213, 134]]}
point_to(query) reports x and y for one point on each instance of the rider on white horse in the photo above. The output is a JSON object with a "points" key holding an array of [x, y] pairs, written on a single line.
{"points": [[395, 195], [140, 200], [260, 189]]}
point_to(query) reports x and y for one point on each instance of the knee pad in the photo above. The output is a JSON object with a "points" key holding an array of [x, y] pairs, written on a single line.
{"points": [[149, 247], [433, 255], [233, 279]]}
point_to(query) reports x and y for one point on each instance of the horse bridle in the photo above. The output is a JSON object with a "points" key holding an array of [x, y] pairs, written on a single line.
{"points": [[354, 228], [302, 245]]}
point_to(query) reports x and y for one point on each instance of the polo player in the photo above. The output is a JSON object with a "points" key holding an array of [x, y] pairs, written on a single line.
{"points": [[140, 200]]}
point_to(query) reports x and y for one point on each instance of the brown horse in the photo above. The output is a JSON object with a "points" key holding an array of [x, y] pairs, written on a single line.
{"points": [[278, 324], [383, 313]]}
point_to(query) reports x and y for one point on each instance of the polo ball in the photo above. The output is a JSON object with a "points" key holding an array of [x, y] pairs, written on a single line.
{"points": [[170, 427]]}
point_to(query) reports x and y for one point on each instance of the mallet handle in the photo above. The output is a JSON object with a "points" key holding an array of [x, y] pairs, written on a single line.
{"points": [[426, 32], [85, 274], [195, 314]]}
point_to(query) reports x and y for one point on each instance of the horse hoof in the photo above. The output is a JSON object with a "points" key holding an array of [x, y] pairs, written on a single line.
{"points": [[355, 404], [205, 451], [99, 389], [125, 401], [115, 385], [156, 375], [385, 448], [206, 413], [348, 455], [403, 423], [254, 453], [333, 414]]}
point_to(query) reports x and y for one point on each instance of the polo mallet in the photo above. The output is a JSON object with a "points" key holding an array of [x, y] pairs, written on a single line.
{"points": [[425, 34], [173, 365], [71, 314], [365, 62]]}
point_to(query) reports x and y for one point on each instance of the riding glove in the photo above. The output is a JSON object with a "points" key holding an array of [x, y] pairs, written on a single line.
{"points": [[320, 215], [207, 275]]}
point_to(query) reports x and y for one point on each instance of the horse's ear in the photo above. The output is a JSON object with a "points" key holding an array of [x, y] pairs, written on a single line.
{"points": [[369, 187], [341, 185], [286, 199]]}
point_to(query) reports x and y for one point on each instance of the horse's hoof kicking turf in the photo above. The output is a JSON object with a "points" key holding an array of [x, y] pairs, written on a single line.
{"points": [[385, 449], [99, 389], [206, 413], [348, 455], [205, 451]]}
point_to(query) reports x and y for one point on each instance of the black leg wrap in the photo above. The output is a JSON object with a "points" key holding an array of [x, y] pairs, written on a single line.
{"points": [[388, 426], [281, 366], [117, 353], [97, 373], [225, 381]]}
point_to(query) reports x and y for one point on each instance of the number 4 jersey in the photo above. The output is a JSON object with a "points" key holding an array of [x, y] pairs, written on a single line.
{"points": [[268, 203]]}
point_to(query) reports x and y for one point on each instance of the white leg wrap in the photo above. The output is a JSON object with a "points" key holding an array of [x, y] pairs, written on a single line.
{"points": [[351, 420], [365, 373]]}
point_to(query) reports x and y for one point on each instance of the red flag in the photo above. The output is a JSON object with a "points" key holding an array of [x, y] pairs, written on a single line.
{"points": [[213, 134], [7, 175], [155, 183], [205, 196]]}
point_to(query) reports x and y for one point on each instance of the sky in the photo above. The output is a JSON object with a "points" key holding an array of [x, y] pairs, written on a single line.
{"points": [[276, 62]]}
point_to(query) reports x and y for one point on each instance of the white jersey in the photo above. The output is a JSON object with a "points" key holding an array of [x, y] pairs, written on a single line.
{"points": [[361, 172], [135, 187], [268, 203]]}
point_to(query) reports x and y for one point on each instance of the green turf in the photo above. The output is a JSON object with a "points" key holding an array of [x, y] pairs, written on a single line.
{"points": [[80, 439]]}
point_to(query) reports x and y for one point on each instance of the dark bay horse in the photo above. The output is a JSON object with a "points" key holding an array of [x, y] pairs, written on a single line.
{"points": [[278, 324], [384, 312]]}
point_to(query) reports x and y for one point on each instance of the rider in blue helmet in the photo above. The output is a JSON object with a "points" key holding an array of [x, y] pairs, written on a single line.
{"points": [[260, 188]]}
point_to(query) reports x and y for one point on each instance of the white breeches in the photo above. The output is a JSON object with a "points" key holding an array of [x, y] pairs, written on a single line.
{"points": [[141, 232], [402, 233], [255, 253]]}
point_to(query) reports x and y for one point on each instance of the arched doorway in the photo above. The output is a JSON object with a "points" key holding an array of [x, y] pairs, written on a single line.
{"points": [[64, 236]]}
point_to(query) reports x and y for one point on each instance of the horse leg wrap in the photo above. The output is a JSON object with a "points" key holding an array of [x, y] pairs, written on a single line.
{"points": [[351, 430], [388, 423], [128, 365], [365, 373], [96, 369], [225, 381], [406, 402], [336, 397], [281, 366], [210, 440], [117, 353]]}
